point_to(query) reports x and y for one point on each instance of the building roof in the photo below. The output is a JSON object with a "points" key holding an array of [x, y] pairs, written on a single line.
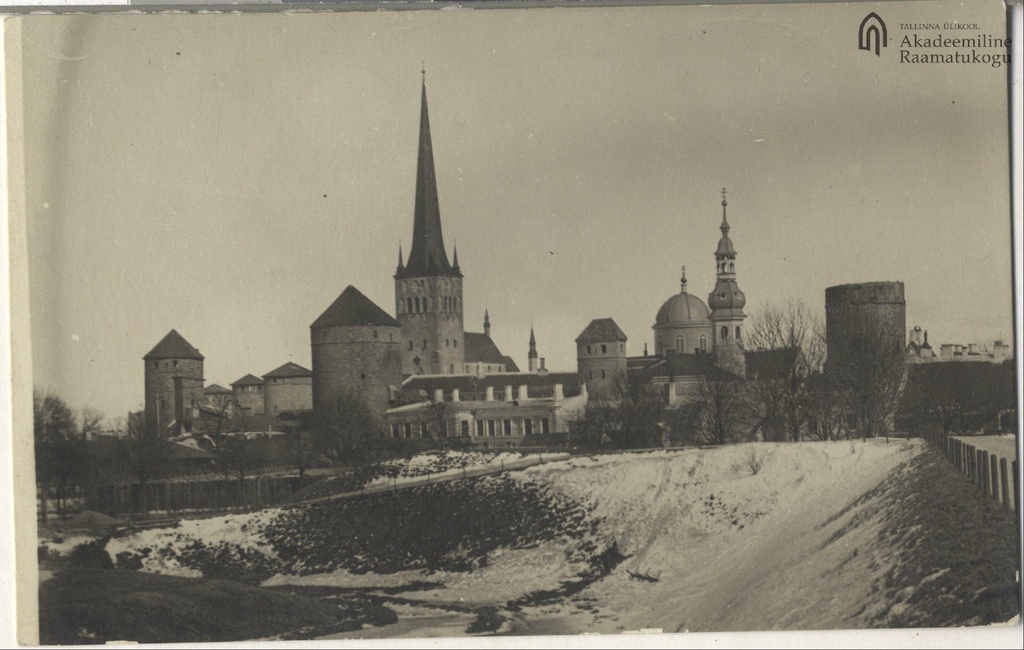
{"points": [[480, 348], [510, 365], [216, 389], [476, 384], [173, 346], [353, 309], [288, 370], [727, 299], [682, 309], [725, 247], [248, 380], [601, 329], [683, 366], [427, 256], [771, 363]]}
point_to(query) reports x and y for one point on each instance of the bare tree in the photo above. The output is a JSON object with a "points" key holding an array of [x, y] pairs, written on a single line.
{"points": [[440, 424], [345, 426], [785, 350], [630, 419], [868, 371], [723, 415], [58, 448], [144, 454]]}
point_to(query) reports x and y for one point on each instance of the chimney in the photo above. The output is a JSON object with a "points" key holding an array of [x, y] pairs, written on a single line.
{"points": [[558, 393], [455, 394], [489, 394], [522, 393], [438, 395], [508, 393], [542, 368]]}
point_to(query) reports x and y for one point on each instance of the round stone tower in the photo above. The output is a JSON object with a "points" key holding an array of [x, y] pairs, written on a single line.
{"points": [[850, 308], [601, 358], [174, 385], [356, 346]]}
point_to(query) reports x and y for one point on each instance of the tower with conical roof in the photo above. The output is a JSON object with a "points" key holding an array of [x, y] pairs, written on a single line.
{"points": [[173, 384], [356, 348], [726, 301], [428, 289]]}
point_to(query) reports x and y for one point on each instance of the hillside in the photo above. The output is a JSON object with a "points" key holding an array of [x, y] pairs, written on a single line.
{"points": [[821, 536]]}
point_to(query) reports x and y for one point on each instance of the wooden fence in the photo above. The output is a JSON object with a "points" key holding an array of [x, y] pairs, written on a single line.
{"points": [[997, 476], [184, 496]]}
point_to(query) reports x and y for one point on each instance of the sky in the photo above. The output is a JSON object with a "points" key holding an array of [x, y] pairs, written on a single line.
{"points": [[229, 175]]}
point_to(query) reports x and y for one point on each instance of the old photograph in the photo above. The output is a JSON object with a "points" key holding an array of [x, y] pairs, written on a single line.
{"points": [[373, 324]]}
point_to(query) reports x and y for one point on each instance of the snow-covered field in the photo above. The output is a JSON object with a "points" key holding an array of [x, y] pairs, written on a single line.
{"points": [[790, 546]]}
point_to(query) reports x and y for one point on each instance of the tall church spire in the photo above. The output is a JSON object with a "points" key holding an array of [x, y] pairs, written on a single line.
{"points": [[427, 256], [487, 323], [532, 355]]}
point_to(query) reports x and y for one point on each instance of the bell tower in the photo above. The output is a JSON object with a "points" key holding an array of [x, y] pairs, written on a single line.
{"points": [[726, 301], [428, 289]]}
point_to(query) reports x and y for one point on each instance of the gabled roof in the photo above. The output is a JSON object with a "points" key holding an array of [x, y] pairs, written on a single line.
{"points": [[353, 309], [510, 365], [173, 346], [480, 348], [288, 370], [248, 380], [216, 389], [601, 329]]}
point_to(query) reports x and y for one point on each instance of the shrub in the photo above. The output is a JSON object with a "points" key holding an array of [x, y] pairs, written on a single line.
{"points": [[91, 555]]}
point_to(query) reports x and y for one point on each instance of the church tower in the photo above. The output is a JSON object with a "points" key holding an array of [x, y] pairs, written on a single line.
{"points": [[428, 290], [726, 301], [532, 354]]}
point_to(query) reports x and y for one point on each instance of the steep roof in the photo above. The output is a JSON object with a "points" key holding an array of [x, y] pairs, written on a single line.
{"points": [[480, 348], [173, 346], [601, 329], [510, 365], [353, 309], [427, 255], [248, 380], [216, 389], [289, 370]]}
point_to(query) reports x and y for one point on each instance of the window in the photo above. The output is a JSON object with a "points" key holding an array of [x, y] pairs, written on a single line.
{"points": [[455, 343], [410, 344], [396, 430], [590, 374], [507, 426], [622, 347], [680, 343], [175, 363], [545, 425], [362, 375], [731, 267], [451, 369], [480, 428], [588, 349], [602, 374], [408, 305], [447, 343], [424, 344], [604, 349], [528, 426], [374, 333], [703, 343], [737, 331], [725, 332], [490, 428], [416, 302], [408, 430], [465, 428]]}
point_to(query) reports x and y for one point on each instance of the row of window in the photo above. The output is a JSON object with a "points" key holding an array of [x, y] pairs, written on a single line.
{"points": [[604, 348], [448, 343], [417, 305], [726, 268], [681, 343], [481, 428]]}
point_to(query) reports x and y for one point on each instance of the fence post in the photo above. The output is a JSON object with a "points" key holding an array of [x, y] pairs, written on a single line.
{"points": [[1016, 489], [1004, 484], [994, 476], [981, 454]]}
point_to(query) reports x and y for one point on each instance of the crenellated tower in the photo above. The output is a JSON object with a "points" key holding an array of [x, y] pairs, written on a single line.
{"points": [[726, 301], [428, 289]]}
